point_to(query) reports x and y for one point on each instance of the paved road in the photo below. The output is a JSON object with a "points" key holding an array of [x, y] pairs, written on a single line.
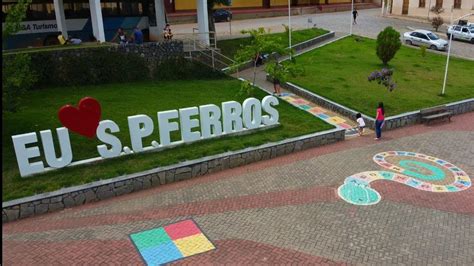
{"points": [[278, 211], [370, 23]]}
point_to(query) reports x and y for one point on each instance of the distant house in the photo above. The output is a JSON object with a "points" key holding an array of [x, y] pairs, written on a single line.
{"points": [[421, 8]]}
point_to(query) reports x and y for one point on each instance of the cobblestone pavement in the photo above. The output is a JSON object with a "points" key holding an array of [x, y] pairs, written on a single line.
{"points": [[284, 210], [370, 23]]}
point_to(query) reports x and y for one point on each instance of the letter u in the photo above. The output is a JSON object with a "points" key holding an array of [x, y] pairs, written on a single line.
{"points": [[64, 144]]}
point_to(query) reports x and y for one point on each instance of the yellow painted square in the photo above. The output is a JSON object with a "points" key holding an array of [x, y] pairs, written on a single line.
{"points": [[439, 188], [464, 178], [192, 245], [336, 120]]}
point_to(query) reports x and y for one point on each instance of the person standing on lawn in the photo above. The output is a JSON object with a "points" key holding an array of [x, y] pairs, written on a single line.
{"points": [[379, 121]]}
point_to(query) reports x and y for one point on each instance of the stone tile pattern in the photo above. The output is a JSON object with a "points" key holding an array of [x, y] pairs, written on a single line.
{"points": [[285, 209], [101, 190], [171, 242]]}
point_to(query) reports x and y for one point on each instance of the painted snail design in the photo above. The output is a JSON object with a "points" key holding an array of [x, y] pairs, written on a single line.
{"points": [[409, 171]]}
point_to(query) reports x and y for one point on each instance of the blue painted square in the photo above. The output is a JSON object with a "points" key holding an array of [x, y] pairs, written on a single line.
{"points": [[401, 152], [161, 254], [286, 94], [413, 183], [452, 188], [322, 116]]}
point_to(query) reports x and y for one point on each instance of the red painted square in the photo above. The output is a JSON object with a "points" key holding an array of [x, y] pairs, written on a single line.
{"points": [[345, 126], [182, 229]]}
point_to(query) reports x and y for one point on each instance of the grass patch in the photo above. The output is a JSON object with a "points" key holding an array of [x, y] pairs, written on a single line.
{"points": [[229, 47], [119, 101], [339, 72]]}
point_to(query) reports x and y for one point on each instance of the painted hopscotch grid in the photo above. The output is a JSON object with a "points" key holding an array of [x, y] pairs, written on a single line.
{"points": [[171, 242], [320, 113]]}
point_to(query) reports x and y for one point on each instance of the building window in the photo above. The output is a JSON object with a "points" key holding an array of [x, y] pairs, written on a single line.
{"points": [[422, 3], [457, 3], [439, 3]]}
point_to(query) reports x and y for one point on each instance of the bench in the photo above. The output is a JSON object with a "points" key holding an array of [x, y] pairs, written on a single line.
{"points": [[435, 113]]}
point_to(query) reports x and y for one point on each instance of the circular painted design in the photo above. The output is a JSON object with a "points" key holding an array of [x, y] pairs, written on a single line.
{"points": [[411, 172]]}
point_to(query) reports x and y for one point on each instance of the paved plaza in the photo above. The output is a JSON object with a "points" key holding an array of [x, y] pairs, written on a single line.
{"points": [[284, 210]]}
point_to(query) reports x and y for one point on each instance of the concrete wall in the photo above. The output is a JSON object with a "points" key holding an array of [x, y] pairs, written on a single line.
{"points": [[392, 122], [414, 10]]}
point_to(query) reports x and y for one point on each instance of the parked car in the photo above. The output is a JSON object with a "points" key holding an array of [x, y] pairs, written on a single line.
{"points": [[222, 15], [459, 32], [425, 38]]}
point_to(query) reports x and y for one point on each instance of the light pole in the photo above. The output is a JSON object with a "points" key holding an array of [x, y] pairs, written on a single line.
{"points": [[449, 49], [352, 10], [289, 25]]}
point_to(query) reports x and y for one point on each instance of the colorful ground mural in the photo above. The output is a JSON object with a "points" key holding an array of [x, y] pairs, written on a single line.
{"points": [[170, 243], [416, 170], [322, 113]]}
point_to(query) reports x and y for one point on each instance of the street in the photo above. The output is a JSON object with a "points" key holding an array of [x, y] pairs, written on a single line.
{"points": [[369, 24]]}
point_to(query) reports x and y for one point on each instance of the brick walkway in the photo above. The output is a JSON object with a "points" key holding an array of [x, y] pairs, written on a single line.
{"points": [[278, 211]]}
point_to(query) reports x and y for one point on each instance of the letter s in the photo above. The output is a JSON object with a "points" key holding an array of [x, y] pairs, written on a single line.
{"points": [[267, 104], [116, 145]]}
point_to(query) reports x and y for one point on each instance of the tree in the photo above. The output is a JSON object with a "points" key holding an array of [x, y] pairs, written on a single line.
{"points": [[259, 45], [17, 76], [388, 43], [210, 10], [14, 17], [284, 71], [437, 21]]}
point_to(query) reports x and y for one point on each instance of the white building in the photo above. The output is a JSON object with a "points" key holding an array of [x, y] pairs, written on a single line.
{"points": [[421, 8]]}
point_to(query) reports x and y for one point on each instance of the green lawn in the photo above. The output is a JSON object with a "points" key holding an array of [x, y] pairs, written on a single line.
{"points": [[339, 72], [230, 47], [118, 101]]}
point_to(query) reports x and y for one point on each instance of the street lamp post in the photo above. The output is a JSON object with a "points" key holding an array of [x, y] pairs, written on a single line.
{"points": [[289, 25], [352, 10], [449, 50]]}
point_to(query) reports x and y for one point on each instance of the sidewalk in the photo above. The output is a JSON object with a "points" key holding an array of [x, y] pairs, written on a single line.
{"points": [[179, 17], [322, 113]]}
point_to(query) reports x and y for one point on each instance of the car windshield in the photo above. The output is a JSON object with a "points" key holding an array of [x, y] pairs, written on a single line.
{"points": [[433, 36]]}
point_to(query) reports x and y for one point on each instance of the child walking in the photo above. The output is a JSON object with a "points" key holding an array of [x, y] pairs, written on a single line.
{"points": [[361, 123]]}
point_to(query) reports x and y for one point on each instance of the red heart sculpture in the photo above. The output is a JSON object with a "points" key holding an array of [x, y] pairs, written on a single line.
{"points": [[83, 120]]}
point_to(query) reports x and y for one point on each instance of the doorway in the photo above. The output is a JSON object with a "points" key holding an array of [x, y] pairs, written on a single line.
{"points": [[406, 3]]}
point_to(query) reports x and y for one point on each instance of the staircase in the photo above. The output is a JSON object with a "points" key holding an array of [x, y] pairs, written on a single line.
{"points": [[197, 50]]}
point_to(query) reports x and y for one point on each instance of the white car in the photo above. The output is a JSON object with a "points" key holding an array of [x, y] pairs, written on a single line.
{"points": [[425, 38], [459, 32]]}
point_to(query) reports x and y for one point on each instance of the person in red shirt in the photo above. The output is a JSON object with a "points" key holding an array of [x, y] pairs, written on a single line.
{"points": [[379, 120]]}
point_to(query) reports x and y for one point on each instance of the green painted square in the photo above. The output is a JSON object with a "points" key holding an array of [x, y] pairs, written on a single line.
{"points": [[150, 238]]}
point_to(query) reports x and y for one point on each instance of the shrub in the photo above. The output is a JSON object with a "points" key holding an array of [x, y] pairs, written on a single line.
{"points": [[388, 43], [181, 68], [423, 51], [17, 77], [383, 77]]}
